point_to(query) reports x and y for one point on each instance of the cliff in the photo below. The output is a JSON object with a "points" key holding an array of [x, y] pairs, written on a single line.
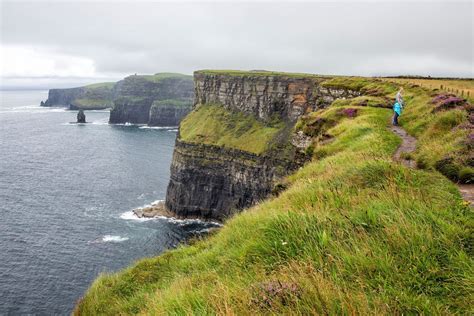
{"points": [[162, 99], [91, 97], [137, 99], [235, 146]]}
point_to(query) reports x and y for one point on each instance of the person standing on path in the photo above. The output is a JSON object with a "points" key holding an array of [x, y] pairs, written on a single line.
{"points": [[397, 107]]}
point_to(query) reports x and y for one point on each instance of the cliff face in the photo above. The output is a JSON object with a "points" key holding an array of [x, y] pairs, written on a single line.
{"points": [[168, 113], [162, 99], [92, 97], [63, 97], [215, 180], [265, 95], [135, 96]]}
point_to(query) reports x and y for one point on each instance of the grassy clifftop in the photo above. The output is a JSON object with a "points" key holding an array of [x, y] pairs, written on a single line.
{"points": [[258, 73], [213, 124], [353, 233]]}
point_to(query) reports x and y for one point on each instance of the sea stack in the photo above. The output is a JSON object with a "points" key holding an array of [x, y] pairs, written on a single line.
{"points": [[81, 117]]}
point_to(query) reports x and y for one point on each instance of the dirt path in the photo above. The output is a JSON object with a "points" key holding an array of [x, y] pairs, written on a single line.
{"points": [[408, 146]]}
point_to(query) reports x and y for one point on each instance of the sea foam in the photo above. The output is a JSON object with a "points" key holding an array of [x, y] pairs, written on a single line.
{"points": [[112, 238]]}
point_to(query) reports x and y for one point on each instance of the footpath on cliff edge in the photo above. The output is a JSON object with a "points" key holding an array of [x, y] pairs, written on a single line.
{"points": [[408, 146]]}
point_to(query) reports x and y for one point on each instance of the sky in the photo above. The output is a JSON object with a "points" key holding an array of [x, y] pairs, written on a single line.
{"points": [[47, 44]]}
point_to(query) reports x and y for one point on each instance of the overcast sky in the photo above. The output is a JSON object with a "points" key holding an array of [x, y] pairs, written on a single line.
{"points": [[66, 43]]}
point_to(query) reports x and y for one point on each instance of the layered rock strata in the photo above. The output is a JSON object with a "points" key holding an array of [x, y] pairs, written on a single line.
{"points": [[216, 181]]}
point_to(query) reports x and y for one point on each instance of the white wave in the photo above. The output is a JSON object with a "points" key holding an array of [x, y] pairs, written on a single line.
{"points": [[108, 238], [111, 238], [128, 124], [173, 130], [188, 221], [129, 215], [98, 111], [32, 109], [159, 127]]}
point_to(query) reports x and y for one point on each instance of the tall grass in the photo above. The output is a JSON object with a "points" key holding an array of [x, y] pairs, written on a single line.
{"points": [[355, 233], [215, 125]]}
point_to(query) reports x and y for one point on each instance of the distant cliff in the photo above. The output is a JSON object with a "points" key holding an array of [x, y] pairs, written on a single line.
{"points": [[161, 99], [91, 97], [237, 143]]}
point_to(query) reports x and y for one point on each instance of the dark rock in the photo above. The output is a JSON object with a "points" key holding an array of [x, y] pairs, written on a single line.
{"points": [[168, 113], [214, 182], [81, 117]]}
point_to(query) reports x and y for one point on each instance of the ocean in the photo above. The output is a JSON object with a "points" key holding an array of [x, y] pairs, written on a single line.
{"points": [[66, 195]]}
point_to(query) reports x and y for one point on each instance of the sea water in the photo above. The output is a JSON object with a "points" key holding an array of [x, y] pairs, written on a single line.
{"points": [[66, 195]]}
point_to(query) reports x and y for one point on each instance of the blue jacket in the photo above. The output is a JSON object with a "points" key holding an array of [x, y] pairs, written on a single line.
{"points": [[398, 108]]}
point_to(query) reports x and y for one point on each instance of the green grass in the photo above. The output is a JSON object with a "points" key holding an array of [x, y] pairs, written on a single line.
{"points": [[106, 85], [461, 87], [162, 76], [355, 233], [441, 135], [259, 73], [214, 125]]}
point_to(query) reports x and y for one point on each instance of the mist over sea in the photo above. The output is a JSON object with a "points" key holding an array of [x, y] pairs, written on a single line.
{"points": [[66, 192]]}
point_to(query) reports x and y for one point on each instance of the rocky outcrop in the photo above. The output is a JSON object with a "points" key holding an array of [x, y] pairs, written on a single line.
{"points": [[81, 117], [135, 96], [216, 181]]}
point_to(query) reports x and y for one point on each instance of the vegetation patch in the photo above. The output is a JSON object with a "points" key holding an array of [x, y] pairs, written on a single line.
{"points": [[260, 73], [214, 125]]}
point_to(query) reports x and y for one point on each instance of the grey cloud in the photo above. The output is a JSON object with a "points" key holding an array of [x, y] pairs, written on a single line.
{"points": [[341, 38]]}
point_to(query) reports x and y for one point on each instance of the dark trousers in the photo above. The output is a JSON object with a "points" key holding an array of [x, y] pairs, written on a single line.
{"points": [[395, 118]]}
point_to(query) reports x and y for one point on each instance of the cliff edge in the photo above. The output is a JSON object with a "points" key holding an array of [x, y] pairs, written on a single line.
{"points": [[236, 145]]}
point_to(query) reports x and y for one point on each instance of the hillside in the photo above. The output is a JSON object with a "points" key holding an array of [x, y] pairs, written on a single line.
{"points": [[349, 232]]}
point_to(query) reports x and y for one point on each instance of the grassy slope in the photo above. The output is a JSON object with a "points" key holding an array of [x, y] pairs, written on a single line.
{"points": [[212, 124], [354, 233], [462, 87], [106, 85]]}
